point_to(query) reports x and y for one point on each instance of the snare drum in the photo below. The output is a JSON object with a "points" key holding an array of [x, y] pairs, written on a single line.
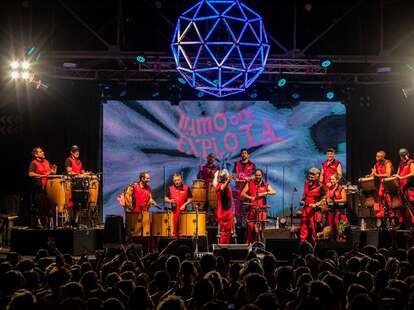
{"points": [[367, 184], [187, 225], [57, 190], [162, 224], [199, 194], [138, 224]]}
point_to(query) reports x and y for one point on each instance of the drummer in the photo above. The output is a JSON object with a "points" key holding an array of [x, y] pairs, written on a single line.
{"points": [[39, 168], [179, 196], [382, 169], [405, 175], [73, 165], [335, 197], [224, 207], [208, 170], [243, 171], [256, 191], [142, 193]]}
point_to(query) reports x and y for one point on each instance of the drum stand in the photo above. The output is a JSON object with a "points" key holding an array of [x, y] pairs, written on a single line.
{"points": [[169, 224], [196, 232]]}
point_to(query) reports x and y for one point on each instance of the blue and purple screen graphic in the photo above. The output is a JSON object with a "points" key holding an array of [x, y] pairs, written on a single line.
{"points": [[163, 139]]}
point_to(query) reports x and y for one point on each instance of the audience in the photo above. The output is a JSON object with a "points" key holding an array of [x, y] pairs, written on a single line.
{"points": [[125, 279]]}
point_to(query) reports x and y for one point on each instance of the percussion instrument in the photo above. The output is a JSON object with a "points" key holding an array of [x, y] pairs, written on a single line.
{"points": [[85, 189], [57, 190], [188, 222], [367, 184], [212, 197], [138, 224], [392, 187], [93, 191], [199, 193], [162, 224]]}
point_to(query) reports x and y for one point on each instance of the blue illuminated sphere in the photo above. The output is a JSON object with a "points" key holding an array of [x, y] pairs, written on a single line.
{"points": [[220, 47]]}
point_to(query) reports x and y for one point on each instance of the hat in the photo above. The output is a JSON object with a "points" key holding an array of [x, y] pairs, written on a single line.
{"points": [[74, 148], [403, 152], [314, 171]]}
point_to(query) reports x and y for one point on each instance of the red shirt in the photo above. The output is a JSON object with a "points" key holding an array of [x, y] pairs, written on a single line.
{"points": [[313, 192], [404, 169], [255, 190], [329, 168], [332, 193], [40, 167], [142, 197], [179, 194], [243, 171], [381, 166], [207, 173], [75, 164]]}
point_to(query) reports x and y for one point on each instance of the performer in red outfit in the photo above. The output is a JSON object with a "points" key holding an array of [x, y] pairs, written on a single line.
{"points": [[382, 169], [243, 171], [313, 197], [329, 167], [73, 165], [336, 199], [256, 191], [405, 175], [179, 197], [208, 170], [224, 207], [142, 193], [38, 170]]}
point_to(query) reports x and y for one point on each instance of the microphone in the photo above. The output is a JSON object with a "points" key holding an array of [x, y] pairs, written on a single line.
{"points": [[295, 189]]}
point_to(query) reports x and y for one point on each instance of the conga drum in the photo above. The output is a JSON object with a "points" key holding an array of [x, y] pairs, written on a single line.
{"points": [[187, 226], [199, 193], [56, 191], [212, 197], [392, 187], [138, 224], [368, 190], [93, 191], [162, 224]]}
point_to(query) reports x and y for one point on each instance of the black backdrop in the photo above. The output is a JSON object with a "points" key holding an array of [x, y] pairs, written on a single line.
{"points": [[69, 113]]}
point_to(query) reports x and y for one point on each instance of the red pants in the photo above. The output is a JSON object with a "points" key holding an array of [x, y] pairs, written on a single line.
{"points": [[254, 228], [225, 220], [307, 222], [176, 222]]}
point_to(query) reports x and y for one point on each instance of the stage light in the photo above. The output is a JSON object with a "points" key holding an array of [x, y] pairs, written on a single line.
{"points": [[15, 75], [326, 63], [181, 80], [408, 91], [281, 83], [200, 94], [31, 51], [25, 75], [295, 96], [25, 65], [14, 64], [330, 94], [141, 59]]}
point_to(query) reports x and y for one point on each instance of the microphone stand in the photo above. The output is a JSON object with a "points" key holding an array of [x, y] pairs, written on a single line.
{"points": [[291, 207]]}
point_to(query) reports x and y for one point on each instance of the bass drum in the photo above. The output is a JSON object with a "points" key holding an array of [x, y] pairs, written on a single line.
{"points": [[138, 224], [199, 193], [162, 224], [188, 224], [57, 191]]}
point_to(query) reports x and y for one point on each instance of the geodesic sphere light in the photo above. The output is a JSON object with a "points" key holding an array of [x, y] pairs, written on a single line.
{"points": [[220, 47]]}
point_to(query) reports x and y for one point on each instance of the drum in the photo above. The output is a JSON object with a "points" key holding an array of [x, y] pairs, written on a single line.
{"points": [[199, 193], [212, 197], [392, 187], [187, 224], [367, 184], [57, 190], [93, 191], [138, 224], [162, 224]]}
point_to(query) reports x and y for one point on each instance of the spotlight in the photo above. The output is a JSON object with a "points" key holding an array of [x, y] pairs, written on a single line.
{"points": [[253, 93], [140, 59], [25, 75], [325, 63], [330, 94], [14, 64], [408, 91], [15, 75], [25, 65], [281, 83], [200, 94], [295, 96]]}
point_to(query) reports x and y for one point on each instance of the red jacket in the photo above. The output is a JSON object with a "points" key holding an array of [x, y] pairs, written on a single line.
{"points": [[142, 197], [329, 168]]}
